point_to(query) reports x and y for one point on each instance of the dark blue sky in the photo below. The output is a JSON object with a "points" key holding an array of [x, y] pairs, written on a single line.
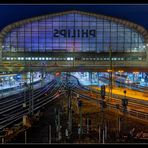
{"points": [[135, 13]]}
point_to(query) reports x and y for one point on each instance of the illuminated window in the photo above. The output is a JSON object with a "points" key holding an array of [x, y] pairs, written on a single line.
{"points": [[68, 59], [38, 36], [139, 58]]}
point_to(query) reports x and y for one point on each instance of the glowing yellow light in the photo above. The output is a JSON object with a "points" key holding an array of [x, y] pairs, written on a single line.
{"points": [[120, 71], [135, 72], [109, 70]]}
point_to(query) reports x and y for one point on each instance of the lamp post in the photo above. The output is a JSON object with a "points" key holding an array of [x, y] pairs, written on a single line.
{"points": [[69, 112], [42, 76], [110, 85], [49, 134], [32, 94], [25, 132], [31, 98], [118, 119], [25, 89], [110, 70], [103, 124], [80, 107]]}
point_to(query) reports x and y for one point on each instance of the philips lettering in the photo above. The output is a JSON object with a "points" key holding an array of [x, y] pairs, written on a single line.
{"points": [[83, 33]]}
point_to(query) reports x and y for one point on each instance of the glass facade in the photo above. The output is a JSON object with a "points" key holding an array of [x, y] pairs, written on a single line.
{"points": [[73, 32]]}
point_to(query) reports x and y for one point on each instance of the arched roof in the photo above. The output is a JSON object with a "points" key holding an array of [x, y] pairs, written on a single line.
{"points": [[141, 30]]}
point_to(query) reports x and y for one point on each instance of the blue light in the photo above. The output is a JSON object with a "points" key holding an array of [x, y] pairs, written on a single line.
{"points": [[39, 35], [17, 77]]}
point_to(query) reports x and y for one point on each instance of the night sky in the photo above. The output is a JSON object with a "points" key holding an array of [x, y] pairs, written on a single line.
{"points": [[135, 13]]}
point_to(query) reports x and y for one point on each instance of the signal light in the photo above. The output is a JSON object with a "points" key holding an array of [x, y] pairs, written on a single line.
{"points": [[103, 91], [57, 74]]}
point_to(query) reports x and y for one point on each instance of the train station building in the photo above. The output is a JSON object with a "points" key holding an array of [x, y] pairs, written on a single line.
{"points": [[74, 41], [54, 65]]}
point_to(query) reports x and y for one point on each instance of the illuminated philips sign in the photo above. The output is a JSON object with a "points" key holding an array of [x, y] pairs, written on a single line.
{"points": [[72, 33]]}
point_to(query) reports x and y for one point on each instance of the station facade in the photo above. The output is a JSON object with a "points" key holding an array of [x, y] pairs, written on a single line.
{"points": [[74, 41]]}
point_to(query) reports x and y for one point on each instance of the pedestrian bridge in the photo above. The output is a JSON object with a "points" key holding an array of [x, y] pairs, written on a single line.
{"points": [[73, 41]]}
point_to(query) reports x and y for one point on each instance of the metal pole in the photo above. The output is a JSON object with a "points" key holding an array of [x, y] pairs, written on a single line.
{"points": [[119, 125], [3, 140], [80, 121], [98, 77], [25, 136], [73, 51], [99, 134], [49, 129], [69, 111], [25, 89], [120, 80], [110, 77], [103, 136], [58, 124], [56, 120], [69, 105], [87, 121], [2, 89], [105, 130], [30, 90], [42, 75], [32, 93]]}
